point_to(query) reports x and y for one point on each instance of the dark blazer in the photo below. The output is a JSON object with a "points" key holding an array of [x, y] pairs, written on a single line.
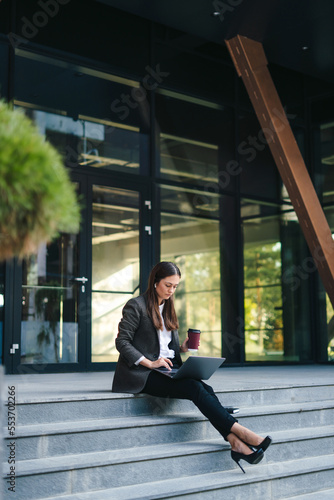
{"points": [[138, 337]]}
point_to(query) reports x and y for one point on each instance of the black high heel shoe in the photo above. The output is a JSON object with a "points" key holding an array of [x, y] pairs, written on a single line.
{"points": [[253, 458], [263, 445]]}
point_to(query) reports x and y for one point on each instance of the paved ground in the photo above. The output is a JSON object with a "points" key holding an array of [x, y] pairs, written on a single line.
{"points": [[88, 385]]}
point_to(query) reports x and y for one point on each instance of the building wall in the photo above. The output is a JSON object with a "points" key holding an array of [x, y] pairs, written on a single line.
{"points": [[133, 104]]}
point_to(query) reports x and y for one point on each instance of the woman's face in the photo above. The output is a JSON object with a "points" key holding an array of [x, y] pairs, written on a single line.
{"points": [[166, 287]]}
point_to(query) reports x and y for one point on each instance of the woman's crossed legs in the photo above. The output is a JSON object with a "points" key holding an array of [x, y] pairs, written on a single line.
{"points": [[205, 399]]}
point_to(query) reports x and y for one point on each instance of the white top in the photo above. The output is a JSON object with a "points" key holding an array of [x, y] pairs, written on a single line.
{"points": [[165, 337]]}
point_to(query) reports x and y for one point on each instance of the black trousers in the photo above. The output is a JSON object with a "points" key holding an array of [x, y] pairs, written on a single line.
{"points": [[198, 392]]}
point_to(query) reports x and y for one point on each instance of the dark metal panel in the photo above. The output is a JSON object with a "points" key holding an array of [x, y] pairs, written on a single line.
{"points": [[284, 27]]}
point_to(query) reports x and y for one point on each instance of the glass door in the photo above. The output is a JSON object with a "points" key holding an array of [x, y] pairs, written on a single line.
{"points": [[49, 291], [115, 264], [50, 295], [68, 296]]}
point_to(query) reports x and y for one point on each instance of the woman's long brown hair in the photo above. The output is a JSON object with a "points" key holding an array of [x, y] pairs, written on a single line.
{"points": [[159, 272]]}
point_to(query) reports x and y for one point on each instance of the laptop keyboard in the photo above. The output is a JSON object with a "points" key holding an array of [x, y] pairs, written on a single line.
{"points": [[163, 369]]}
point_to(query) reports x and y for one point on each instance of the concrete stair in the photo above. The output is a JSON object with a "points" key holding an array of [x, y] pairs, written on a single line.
{"points": [[130, 447]]}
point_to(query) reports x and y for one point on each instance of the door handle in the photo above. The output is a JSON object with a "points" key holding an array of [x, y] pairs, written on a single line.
{"points": [[14, 348], [81, 279]]}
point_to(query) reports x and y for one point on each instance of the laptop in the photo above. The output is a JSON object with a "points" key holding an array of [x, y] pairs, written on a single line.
{"points": [[197, 367]]}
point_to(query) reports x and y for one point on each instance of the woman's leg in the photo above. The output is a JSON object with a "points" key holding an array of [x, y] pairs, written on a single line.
{"points": [[200, 393], [246, 435], [240, 435], [206, 400]]}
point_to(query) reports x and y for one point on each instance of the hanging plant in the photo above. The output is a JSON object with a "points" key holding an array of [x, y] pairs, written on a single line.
{"points": [[37, 198]]}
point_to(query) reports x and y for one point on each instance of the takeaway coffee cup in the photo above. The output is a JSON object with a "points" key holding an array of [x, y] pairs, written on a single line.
{"points": [[193, 341]]}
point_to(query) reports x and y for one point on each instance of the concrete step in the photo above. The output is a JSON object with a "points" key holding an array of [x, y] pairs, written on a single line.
{"points": [[318, 495], [39, 441], [103, 405], [54, 439], [121, 467], [297, 477], [300, 443], [116, 446], [82, 472], [290, 416]]}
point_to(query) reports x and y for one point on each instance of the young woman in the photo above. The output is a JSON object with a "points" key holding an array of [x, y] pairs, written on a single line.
{"points": [[148, 339]]}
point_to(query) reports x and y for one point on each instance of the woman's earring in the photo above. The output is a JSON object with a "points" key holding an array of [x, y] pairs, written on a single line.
{"points": [[155, 285]]}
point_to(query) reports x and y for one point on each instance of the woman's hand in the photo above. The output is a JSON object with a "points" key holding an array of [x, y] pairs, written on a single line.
{"points": [[162, 363], [184, 345]]}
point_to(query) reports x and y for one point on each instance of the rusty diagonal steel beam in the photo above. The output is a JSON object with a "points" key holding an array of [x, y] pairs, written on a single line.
{"points": [[251, 64]]}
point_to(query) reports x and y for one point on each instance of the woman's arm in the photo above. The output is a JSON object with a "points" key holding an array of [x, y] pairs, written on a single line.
{"points": [[127, 328]]}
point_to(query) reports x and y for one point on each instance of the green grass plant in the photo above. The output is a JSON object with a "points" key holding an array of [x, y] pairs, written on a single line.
{"points": [[37, 198]]}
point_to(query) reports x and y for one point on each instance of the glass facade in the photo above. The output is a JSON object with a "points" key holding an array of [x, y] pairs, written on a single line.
{"points": [[192, 242], [3, 95], [105, 133], [196, 139], [2, 303], [277, 269], [259, 175], [263, 289], [323, 136], [3, 74], [115, 264], [171, 164], [49, 323]]}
